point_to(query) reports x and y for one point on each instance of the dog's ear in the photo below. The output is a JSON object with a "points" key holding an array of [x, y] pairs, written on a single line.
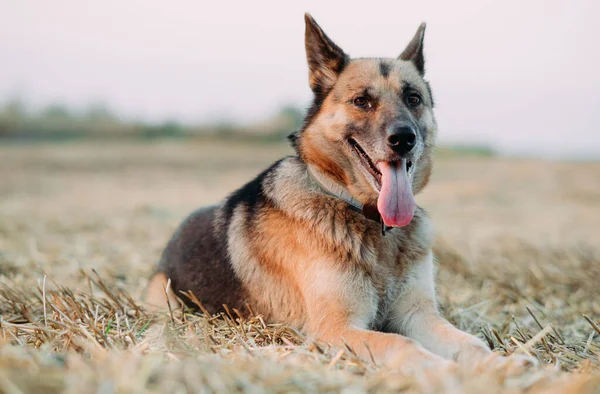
{"points": [[325, 59], [414, 50]]}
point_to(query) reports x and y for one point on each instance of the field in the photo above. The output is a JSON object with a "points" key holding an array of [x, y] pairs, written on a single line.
{"points": [[82, 225]]}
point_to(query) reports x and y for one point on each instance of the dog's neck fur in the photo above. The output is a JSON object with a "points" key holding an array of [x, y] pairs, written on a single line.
{"points": [[338, 190]]}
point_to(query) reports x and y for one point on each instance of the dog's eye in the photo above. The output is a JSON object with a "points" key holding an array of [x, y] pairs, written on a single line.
{"points": [[413, 100], [361, 102]]}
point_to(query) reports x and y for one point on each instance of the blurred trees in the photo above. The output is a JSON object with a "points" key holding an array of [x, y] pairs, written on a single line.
{"points": [[97, 121], [12, 114]]}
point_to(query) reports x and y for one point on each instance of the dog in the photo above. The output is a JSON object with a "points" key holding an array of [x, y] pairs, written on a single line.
{"points": [[330, 241]]}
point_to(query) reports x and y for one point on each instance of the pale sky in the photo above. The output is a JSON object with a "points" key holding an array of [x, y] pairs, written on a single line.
{"points": [[521, 75]]}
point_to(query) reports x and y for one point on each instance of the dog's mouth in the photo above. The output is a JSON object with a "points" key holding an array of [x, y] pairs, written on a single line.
{"points": [[392, 181], [367, 164], [370, 167]]}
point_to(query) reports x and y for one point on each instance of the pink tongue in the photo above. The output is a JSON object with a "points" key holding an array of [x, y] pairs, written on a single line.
{"points": [[396, 203]]}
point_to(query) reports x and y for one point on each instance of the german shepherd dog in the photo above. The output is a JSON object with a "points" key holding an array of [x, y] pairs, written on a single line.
{"points": [[331, 241]]}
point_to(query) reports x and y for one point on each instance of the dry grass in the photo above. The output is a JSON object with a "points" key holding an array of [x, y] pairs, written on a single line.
{"points": [[81, 227]]}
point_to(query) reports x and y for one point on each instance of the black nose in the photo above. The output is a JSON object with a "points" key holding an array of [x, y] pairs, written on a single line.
{"points": [[402, 138]]}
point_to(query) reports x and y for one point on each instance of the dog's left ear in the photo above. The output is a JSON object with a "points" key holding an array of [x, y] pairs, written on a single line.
{"points": [[414, 50], [325, 59]]}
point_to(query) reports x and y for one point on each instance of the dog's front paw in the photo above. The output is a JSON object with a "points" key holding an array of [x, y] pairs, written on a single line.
{"points": [[419, 361], [473, 353], [478, 355], [511, 365]]}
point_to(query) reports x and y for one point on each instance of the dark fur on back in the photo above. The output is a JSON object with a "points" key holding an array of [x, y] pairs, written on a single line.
{"points": [[196, 259]]}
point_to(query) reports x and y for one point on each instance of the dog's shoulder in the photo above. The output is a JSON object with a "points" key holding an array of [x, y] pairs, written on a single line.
{"points": [[252, 193]]}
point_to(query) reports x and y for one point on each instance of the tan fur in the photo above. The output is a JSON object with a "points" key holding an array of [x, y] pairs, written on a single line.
{"points": [[312, 153], [157, 293]]}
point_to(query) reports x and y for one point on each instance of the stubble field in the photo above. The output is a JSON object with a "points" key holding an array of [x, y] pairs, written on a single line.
{"points": [[82, 225]]}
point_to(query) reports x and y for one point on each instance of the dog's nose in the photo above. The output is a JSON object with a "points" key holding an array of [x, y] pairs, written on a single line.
{"points": [[402, 138]]}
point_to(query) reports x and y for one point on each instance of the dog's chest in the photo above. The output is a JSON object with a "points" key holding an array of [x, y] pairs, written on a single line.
{"points": [[390, 275], [389, 290]]}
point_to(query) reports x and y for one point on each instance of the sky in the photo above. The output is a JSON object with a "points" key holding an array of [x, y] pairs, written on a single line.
{"points": [[522, 76]]}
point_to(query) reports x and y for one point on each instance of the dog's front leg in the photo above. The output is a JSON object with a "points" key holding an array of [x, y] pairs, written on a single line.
{"points": [[415, 314], [339, 307], [424, 324], [392, 350]]}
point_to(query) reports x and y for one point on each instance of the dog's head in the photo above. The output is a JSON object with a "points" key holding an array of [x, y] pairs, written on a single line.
{"points": [[371, 125]]}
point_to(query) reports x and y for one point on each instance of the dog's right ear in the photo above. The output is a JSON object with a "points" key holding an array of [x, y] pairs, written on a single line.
{"points": [[325, 59]]}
